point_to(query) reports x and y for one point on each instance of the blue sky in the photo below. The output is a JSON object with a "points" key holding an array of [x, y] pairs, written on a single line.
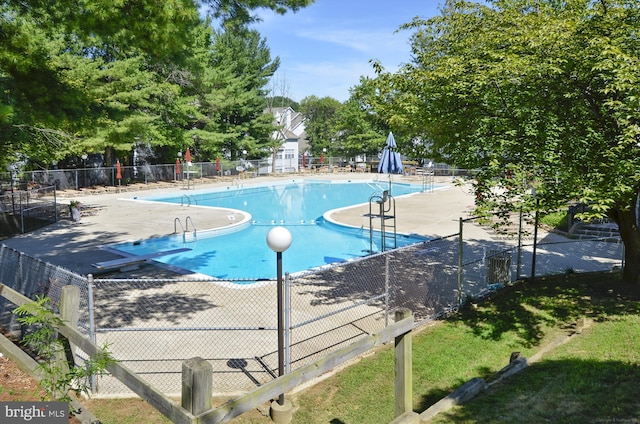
{"points": [[326, 47]]}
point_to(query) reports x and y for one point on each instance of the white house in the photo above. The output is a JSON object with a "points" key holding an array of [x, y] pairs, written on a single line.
{"points": [[293, 136]]}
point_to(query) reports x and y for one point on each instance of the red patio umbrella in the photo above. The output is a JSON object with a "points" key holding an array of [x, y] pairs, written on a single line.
{"points": [[218, 164], [321, 158], [118, 172]]}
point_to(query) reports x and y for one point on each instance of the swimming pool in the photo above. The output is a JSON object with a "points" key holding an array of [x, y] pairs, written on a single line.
{"points": [[243, 254]]}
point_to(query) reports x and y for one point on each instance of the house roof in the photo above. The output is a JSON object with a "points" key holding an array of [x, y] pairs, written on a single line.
{"points": [[289, 119], [292, 126]]}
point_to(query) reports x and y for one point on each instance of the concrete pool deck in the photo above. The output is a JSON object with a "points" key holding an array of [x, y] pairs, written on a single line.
{"points": [[114, 217], [176, 307]]}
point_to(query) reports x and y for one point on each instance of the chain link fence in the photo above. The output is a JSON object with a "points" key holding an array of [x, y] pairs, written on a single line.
{"points": [[104, 176], [107, 176], [33, 277], [25, 210], [152, 325], [519, 253]]}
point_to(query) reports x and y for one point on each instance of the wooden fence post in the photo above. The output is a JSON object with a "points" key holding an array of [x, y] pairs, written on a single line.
{"points": [[197, 385], [403, 368], [70, 305], [69, 310]]}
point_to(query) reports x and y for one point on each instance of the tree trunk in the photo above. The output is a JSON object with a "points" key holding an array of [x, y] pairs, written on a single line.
{"points": [[109, 156], [628, 227]]}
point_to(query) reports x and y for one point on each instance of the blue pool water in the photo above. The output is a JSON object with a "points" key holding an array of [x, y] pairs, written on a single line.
{"points": [[299, 206]]}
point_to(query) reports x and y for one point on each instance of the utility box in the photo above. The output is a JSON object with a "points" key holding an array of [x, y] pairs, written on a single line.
{"points": [[498, 268]]}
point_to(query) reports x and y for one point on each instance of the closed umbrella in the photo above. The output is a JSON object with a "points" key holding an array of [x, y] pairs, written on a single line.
{"points": [[177, 169], [218, 165], [390, 162], [118, 172]]}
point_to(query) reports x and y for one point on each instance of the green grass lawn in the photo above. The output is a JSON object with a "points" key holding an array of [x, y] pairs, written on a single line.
{"points": [[594, 377]]}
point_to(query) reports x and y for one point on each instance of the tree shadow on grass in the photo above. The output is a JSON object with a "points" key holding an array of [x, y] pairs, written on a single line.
{"points": [[434, 395], [574, 390], [527, 309]]}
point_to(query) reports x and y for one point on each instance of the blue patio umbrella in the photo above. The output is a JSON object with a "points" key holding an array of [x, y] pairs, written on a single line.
{"points": [[390, 162]]}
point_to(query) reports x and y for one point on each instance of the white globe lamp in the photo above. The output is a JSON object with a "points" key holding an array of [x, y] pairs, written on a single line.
{"points": [[279, 239]]}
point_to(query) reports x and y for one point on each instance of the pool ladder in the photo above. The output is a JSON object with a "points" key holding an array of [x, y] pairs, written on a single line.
{"points": [[185, 229]]}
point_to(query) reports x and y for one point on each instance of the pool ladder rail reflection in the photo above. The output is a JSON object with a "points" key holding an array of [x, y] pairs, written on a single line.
{"points": [[189, 198], [185, 229]]}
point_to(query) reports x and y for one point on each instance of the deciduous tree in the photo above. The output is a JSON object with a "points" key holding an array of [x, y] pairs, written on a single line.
{"points": [[320, 123], [357, 135], [543, 96]]}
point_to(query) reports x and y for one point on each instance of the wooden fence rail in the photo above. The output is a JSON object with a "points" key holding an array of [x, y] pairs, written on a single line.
{"points": [[197, 378]]}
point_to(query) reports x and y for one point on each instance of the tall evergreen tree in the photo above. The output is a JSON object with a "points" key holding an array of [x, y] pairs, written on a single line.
{"points": [[83, 76], [239, 68]]}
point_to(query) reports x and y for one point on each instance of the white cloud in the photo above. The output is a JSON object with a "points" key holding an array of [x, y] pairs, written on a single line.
{"points": [[356, 39]]}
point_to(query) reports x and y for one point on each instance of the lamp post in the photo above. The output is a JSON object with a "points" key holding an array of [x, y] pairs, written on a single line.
{"points": [[178, 163], [84, 169], [324, 154], [535, 234], [279, 240], [243, 164]]}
